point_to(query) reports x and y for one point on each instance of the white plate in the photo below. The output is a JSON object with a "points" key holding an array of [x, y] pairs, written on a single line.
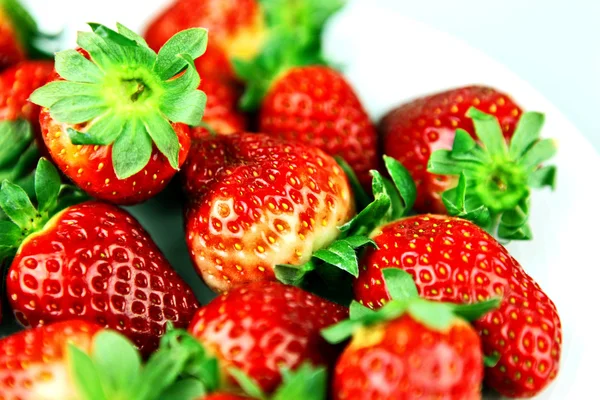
{"points": [[391, 59]]}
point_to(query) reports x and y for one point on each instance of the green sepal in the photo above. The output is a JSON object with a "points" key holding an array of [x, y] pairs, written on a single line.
{"points": [[491, 361], [305, 382], [185, 389], [403, 182], [248, 385], [361, 197], [85, 374], [495, 178], [398, 287], [126, 95], [18, 153], [293, 274]]}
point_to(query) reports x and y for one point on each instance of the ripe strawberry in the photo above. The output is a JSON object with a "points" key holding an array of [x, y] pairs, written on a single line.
{"points": [[453, 260], [258, 202], [237, 29], [115, 120], [432, 138], [263, 327], [78, 360], [90, 261], [221, 114]]}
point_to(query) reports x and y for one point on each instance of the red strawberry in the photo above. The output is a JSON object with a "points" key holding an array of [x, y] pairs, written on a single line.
{"points": [[412, 348], [316, 105], [433, 138], [221, 114], [258, 202], [91, 261], [78, 360], [237, 30], [115, 121], [453, 260], [263, 327]]}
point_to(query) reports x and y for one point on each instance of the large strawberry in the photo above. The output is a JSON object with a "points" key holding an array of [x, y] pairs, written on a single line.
{"points": [[90, 261], [264, 327], [115, 119], [453, 260], [239, 28], [412, 348], [433, 138], [78, 360], [312, 104], [258, 202]]}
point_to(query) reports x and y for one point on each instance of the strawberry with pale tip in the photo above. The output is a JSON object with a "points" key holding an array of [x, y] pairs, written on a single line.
{"points": [[116, 118]]}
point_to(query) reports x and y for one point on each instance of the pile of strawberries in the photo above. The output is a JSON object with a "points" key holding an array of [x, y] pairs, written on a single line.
{"points": [[350, 261]]}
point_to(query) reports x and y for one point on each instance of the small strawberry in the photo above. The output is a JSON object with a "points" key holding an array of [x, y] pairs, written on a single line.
{"points": [[433, 138], [257, 202], [115, 119], [264, 327], [221, 114], [90, 261], [78, 360], [412, 348], [453, 260]]}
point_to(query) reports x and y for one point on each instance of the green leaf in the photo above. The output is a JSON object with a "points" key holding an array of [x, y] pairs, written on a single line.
{"points": [[454, 199], [249, 386], [15, 138], [10, 237], [434, 315], [48, 95], [117, 359], [400, 284], [542, 177], [538, 153], [85, 375], [474, 311], [403, 181], [357, 242], [159, 373], [187, 108], [340, 254], [129, 34], [73, 66], [103, 131], [527, 132], [132, 149], [489, 132], [463, 143], [510, 233], [306, 382], [491, 361], [164, 137], [396, 209], [111, 36], [16, 205], [293, 274], [341, 331], [47, 185], [358, 311], [190, 41], [185, 389], [78, 109], [441, 162], [360, 195]]}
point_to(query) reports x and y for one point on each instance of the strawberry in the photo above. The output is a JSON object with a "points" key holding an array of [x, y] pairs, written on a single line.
{"points": [[79, 360], [115, 119], [453, 260], [221, 114], [433, 138], [18, 32], [90, 261], [412, 348], [257, 202], [263, 327]]}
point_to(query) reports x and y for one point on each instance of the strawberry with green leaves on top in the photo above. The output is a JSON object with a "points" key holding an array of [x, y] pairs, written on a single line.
{"points": [[79, 360], [411, 348], [116, 118], [499, 155], [90, 261]]}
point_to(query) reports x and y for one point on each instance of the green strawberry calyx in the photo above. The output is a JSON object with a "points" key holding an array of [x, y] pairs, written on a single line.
{"points": [[392, 199], [18, 153], [126, 95], [22, 216], [494, 179], [434, 315], [295, 30]]}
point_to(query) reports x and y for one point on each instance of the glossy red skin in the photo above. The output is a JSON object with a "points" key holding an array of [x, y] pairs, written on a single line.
{"points": [[264, 327], [453, 260], [316, 105], [221, 112], [95, 262], [411, 132], [404, 360], [257, 202], [90, 167], [11, 50], [226, 20], [29, 357]]}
